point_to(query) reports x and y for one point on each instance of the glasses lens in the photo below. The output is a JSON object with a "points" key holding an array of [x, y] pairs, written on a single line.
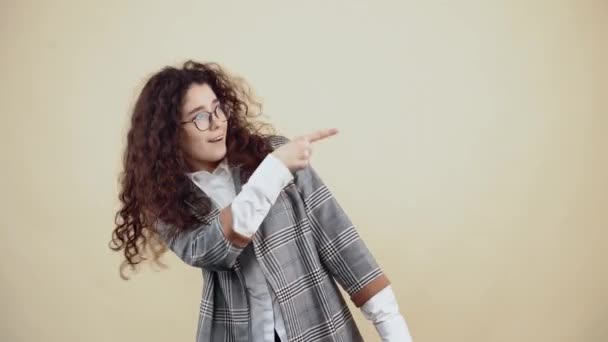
{"points": [[221, 113], [202, 121]]}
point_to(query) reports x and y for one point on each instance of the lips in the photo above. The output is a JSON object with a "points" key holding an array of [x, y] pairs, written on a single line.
{"points": [[216, 139]]}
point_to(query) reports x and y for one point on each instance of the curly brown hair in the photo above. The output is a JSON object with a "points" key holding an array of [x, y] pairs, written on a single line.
{"points": [[154, 184]]}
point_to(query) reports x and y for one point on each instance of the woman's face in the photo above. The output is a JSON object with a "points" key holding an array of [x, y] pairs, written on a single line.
{"points": [[202, 149]]}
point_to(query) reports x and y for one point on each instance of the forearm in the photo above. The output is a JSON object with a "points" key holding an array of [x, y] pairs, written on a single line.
{"points": [[217, 244], [249, 208]]}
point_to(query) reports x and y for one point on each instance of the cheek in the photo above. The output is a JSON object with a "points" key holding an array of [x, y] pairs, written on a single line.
{"points": [[193, 142]]}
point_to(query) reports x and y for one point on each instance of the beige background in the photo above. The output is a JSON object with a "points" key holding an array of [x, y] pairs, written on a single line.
{"points": [[472, 155]]}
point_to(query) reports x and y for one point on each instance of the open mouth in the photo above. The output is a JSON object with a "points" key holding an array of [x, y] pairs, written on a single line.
{"points": [[217, 139]]}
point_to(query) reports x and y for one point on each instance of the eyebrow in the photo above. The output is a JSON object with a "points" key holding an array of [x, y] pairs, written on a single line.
{"points": [[201, 107]]}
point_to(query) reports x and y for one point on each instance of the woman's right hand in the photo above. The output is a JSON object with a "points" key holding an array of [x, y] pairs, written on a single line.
{"points": [[296, 153]]}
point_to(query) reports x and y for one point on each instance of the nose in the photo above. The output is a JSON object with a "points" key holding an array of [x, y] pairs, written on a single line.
{"points": [[214, 122]]}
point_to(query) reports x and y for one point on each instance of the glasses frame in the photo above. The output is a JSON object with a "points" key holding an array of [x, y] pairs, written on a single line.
{"points": [[211, 117]]}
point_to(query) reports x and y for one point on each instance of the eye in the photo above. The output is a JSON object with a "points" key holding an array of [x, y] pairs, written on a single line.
{"points": [[201, 116]]}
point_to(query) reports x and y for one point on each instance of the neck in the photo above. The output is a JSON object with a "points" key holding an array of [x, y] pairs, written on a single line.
{"points": [[203, 166]]}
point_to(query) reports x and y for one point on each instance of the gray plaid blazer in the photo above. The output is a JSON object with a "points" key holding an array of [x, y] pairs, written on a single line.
{"points": [[305, 244]]}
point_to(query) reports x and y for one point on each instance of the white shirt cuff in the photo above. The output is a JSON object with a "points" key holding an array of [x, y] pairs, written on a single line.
{"points": [[382, 309], [258, 195]]}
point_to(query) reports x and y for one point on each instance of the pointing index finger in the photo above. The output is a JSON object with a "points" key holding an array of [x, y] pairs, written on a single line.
{"points": [[321, 134]]}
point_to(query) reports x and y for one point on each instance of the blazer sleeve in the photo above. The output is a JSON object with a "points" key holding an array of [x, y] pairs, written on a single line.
{"points": [[206, 245]]}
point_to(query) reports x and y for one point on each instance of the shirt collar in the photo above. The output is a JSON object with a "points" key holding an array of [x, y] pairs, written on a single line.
{"points": [[204, 176]]}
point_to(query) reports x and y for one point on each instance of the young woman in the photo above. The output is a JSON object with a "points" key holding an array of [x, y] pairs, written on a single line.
{"points": [[247, 209]]}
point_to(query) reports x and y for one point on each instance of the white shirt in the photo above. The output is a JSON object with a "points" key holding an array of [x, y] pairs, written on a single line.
{"points": [[249, 209]]}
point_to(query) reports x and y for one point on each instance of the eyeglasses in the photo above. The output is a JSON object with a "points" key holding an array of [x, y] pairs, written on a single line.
{"points": [[202, 120]]}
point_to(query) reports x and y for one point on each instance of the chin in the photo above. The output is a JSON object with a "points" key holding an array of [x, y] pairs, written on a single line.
{"points": [[221, 154]]}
